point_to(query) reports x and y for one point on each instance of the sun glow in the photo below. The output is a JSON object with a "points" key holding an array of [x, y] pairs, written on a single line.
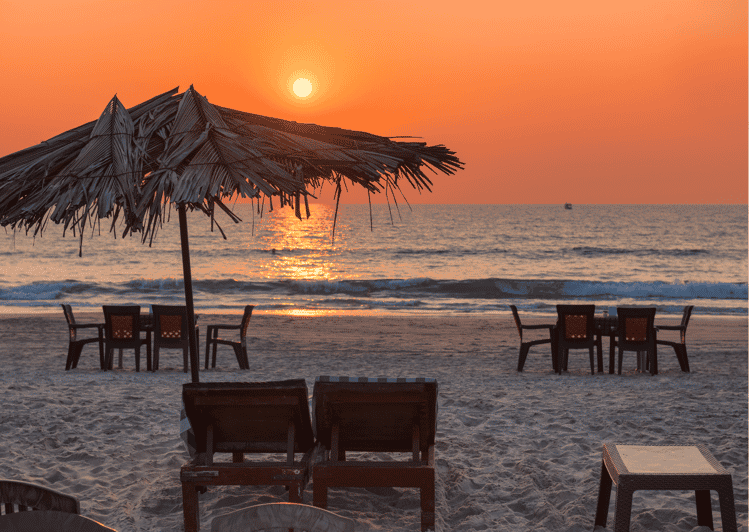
{"points": [[302, 87]]}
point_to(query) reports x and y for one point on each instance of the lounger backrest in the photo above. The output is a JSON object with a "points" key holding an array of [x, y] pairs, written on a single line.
{"points": [[249, 417], [375, 414]]}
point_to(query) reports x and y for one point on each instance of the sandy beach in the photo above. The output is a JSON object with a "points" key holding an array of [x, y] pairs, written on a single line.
{"points": [[515, 451]]}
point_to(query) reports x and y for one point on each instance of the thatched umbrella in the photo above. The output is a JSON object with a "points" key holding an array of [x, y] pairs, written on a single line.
{"points": [[180, 150]]}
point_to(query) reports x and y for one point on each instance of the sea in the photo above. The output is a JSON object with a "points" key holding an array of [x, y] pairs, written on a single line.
{"points": [[396, 260]]}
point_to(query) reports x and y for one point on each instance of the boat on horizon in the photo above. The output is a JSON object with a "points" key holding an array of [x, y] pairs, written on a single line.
{"points": [[568, 206]]}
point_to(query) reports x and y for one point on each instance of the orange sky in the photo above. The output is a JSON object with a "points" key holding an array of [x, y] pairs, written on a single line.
{"points": [[626, 101]]}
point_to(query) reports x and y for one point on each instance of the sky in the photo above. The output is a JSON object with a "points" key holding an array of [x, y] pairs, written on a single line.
{"points": [[624, 101]]}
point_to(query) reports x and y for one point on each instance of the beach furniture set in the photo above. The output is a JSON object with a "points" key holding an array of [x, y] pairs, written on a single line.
{"points": [[631, 329], [164, 327], [348, 415]]}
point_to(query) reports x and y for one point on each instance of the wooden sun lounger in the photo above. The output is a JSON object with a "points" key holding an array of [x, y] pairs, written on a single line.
{"points": [[376, 415], [239, 418]]}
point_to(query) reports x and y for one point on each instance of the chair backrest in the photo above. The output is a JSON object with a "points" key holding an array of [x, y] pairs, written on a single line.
{"points": [[50, 520], [685, 318], [245, 321], [68, 311], [122, 323], [169, 322], [282, 515], [516, 316], [375, 414], [635, 326], [576, 322], [249, 417], [20, 496]]}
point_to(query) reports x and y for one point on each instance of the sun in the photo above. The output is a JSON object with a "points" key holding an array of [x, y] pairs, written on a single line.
{"points": [[302, 87]]}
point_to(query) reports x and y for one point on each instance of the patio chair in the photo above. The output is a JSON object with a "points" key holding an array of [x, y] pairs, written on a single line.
{"points": [[122, 331], [170, 331], [17, 496], [286, 515], [376, 415], [50, 520], [575, 330], [525, 346], [76, 344], [254, 418], [240, 345], [680, 347], [635, 332]]}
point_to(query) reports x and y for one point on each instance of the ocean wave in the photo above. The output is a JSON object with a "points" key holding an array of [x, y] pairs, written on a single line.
{"points": [[592, 250]]}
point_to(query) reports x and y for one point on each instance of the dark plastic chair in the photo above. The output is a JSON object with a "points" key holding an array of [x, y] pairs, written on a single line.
{"points": [[635, 332], [575, 330], [680, 347], [122, 331], [76, 344], [170, 331], [525, 346], [240, 346], [16, 496]]}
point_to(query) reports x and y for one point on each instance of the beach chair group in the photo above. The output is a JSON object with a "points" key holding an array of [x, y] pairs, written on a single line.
{"points": [[348, 415]]}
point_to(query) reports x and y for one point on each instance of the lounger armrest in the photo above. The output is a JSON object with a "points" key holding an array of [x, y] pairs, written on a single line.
{"points": [[670, 328]]}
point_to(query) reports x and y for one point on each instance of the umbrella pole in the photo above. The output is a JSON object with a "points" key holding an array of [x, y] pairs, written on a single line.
{"points": [[194, 362]]}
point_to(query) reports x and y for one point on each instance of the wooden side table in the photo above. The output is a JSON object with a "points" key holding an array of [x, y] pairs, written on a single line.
{"points": [[663, 467]]}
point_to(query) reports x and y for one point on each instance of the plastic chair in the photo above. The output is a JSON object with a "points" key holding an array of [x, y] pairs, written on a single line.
{"points": [[286, 515], [122, 331], [240, 347], [680, 347], [525, 346], [636, 332], [575, 330], [76, 344], [170, 331]]}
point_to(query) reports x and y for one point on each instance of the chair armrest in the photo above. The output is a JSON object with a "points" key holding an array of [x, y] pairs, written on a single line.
{"points": [[226, 326], [670, 328], [87, 325], [537, 327]]}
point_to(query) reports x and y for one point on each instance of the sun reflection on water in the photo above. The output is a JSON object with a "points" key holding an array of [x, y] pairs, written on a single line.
{"points": [[300, 249]]}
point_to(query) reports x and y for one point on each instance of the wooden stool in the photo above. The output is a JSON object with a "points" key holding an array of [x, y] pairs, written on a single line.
{"points": [[663, 467]]}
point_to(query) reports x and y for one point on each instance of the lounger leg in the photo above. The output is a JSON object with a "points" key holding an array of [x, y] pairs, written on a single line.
{"points": [[427, 503], [319, 491], [704, 508], [727, 509], [604, 497], [190, 507], [622, 508]]}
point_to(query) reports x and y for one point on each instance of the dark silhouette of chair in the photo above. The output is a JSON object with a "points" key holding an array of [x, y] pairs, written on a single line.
{"points": [[122, 331], [287, 515], [17, 496], [525, 346], [240, 345], [76, 344], [376, 415], [44, 520], [242, 417], [575, 329], [170, 331], [680, 347], [635, 332]]}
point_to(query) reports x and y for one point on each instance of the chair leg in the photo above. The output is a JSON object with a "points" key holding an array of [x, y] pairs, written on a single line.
{"points": [[137, 358], [185, 364], [621, 355], [684, 359], [523, 354], [155, 358], [246, 358], [101, 349], [704, 508], [592, 363], [215, 347], [208, 334], [148, 351], [238, 354], [604, 497], [71, 356], [654, 362]]}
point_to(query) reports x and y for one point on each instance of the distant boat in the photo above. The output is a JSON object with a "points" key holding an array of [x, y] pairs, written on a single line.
{"points": [[568, 206]]}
